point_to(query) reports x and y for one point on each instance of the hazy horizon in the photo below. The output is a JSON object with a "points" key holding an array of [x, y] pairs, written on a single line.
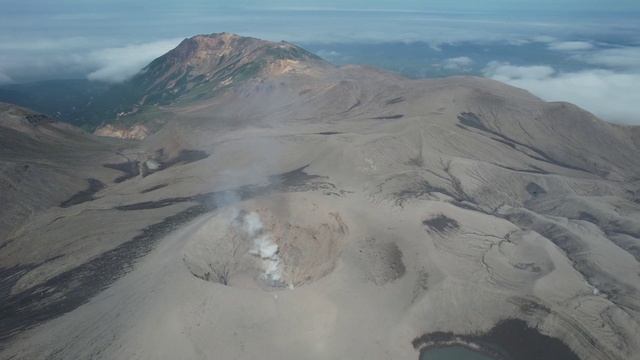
{"points": [[583, 52]]}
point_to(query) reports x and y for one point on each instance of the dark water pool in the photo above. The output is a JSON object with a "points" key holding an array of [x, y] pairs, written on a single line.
{"points": [[510, 339], [453, 353]]}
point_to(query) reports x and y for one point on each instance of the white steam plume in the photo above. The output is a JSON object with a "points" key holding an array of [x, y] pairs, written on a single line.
{"points": [[263, 247]]}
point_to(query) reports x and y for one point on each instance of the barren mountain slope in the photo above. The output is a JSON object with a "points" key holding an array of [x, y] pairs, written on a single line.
{"points": [[44, 162], [315, 212]]}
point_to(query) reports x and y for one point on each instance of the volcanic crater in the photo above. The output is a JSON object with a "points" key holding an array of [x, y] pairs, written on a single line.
{"points": [[259, 245]]}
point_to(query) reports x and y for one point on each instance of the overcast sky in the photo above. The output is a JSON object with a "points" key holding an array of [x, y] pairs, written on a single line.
{"points": [[112, 39]]}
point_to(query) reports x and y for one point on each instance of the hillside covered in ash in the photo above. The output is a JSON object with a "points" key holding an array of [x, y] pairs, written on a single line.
{"points": [[252, 200]]}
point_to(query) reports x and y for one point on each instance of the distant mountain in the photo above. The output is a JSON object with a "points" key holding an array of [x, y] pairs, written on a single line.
{"points": [[198, 68], [203, 64]]}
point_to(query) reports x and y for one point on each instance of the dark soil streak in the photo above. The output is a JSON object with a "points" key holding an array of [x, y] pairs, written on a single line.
{"points": [[532, 170], [472, 120], [441, 224], [147, 205], [66, 291], [130, 169], [10, 276], [416, 191], [153, 188], [388, 117], [395, 100], [84, 195], [358, 103]]}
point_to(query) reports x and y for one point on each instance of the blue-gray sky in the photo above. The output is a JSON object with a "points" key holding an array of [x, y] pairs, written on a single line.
{"points": [[591, 44], [428, 5]]}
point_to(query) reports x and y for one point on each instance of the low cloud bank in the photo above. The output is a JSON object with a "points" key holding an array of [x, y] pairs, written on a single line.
{"points": [[571, 45], [611, 95], [462, 63], [620, 57], [45, 59], [119, 64]]}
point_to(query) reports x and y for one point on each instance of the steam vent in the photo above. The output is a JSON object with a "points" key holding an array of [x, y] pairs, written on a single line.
{"points": [[254, 245]]}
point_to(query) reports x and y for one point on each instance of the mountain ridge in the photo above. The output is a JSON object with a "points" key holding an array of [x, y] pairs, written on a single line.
{"points": [[217, 58], [207, 63]]}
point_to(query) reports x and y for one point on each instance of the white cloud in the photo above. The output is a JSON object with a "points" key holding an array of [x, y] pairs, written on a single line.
{"points": [[44, 58], [625, 57], [462, 63], [506, 72], [571, 45], [119, 64], [611, 95]]}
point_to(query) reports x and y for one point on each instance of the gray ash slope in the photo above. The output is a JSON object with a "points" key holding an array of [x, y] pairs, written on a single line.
{"points": [[453, 204]]}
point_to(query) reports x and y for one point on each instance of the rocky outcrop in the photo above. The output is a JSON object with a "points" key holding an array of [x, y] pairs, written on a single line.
{"points": [[136, 132]]}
